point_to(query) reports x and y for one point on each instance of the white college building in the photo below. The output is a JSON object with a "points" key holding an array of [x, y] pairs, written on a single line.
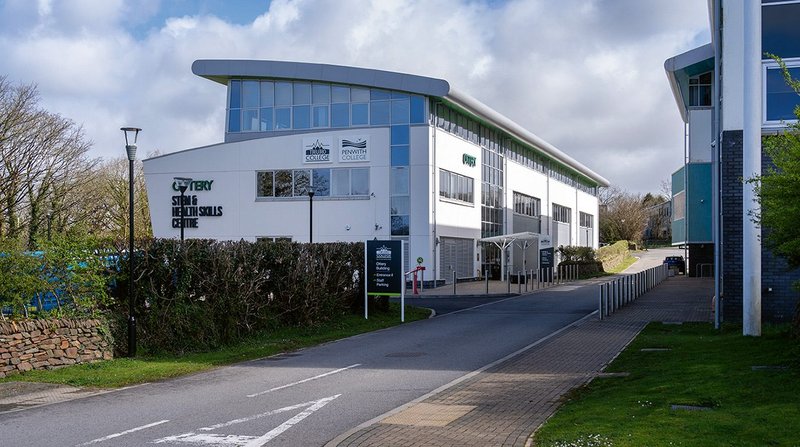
{"points": [[388, 156]]}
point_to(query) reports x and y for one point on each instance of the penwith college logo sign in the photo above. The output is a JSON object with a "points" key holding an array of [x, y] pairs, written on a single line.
{"points": [[354, 149]]}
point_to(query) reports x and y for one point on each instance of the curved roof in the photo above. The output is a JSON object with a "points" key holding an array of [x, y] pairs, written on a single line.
{"points": [[679, 68], [221, 70]]}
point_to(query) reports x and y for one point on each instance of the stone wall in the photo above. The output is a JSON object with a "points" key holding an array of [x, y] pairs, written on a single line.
{"points": [[46, 344]]}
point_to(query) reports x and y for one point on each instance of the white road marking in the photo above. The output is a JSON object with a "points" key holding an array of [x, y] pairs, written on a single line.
{"points": [[291, 422], [258, 416], [249, 441], [123, 433], [336, 371]]}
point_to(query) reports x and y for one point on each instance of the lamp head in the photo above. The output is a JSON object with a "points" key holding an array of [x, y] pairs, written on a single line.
{"points": [[130, 147]]}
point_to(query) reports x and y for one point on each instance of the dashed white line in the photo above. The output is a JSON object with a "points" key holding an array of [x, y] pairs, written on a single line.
{"points": [[336, 371], [258, 416], [123, 433], [275, 432]]}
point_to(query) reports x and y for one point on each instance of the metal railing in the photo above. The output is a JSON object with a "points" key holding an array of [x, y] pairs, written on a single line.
{"points": [[623, 290]]}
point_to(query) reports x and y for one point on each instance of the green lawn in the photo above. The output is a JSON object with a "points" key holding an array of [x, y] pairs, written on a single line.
{"points": [[124, 371], [702, 367]]}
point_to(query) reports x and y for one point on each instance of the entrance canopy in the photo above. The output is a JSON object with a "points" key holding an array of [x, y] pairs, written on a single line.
{"points": [[504, 241]]}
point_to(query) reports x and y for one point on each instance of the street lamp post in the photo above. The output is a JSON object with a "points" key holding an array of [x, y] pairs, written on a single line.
{"points": [[183, 183], [310, 214], [130, 149]]}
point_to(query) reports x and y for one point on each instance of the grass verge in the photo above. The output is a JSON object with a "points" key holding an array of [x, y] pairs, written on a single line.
{"points": [[125, 371], [626, 262], [696, 366]]}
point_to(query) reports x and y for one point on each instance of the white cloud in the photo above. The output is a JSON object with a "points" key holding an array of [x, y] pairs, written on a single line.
{"points": [[585, 75]]}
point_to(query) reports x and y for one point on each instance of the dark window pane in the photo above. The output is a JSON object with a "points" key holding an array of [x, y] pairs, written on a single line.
{"points": [[322, 182], [264, 184], [400, 155], [780, 34], [359, 181], [340, 93], [400, 225], [302, 93], [400, 135], [301, 117], [340, 182], [321, 93], [378, 94], [267, 94], [235, 120], [379, 113], [340, 115], [302, 179], [360, 116], [283, 183], [283, 93], [400, 113], [250, 91], [417, 110], [781, 99], [266, 119], [249, 120], [283, 118], [235, 95]]}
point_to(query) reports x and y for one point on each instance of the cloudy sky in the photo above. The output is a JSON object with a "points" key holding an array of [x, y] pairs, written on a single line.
{"points": [[585, 75]]}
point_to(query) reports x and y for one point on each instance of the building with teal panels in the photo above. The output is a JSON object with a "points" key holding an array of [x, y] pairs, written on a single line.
{"points": [[709, 197]]}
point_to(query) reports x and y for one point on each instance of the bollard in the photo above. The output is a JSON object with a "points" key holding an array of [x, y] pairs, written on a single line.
{"points": [[487, 284], [508, 282], [455, 280], [526, 280], [519, 284], [600, 303]]}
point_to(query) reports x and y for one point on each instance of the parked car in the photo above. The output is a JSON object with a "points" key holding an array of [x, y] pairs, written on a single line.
{"points": [[676, 262]]}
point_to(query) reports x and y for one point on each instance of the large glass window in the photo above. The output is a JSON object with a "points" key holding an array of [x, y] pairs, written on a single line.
{"points": [[301, 117], [780, 34], [526, 205], [340, 115], [456, 186], [562, 213], [360, 116], [267, 94], [700, 90], [320, 116], [302, 93], [340, 93], [337, 182], [250, 120], [587, 220], [321, 93], [781, 99]]}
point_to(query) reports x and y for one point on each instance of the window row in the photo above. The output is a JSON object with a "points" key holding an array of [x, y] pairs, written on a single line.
{"points": [[586, 220], [456, 186], [502, 144], [337, 182], [526, 205], [263, 106], [562, 213]]}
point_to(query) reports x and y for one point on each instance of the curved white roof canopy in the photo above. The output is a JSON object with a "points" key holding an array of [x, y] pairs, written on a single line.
{"points": [[221, 70]]}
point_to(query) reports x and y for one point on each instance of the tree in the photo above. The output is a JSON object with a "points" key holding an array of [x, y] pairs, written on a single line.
{"points": [[777, 190], [622, 215]]}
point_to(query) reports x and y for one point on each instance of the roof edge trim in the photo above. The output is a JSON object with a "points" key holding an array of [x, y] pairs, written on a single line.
{"points": [[221, 70]]}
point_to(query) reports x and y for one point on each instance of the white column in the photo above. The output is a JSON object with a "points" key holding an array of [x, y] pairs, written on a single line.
{"points": [[751, 166]]}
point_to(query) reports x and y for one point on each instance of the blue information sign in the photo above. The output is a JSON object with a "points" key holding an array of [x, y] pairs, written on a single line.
{"points": [[384, 268]]}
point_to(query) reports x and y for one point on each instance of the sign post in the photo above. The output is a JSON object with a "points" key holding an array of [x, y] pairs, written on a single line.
{"points": [[546, 255], [383, 262]]}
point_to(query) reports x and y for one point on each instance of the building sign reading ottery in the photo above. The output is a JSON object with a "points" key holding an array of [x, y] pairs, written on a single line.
{"points": [[193, 209], [384, 265]]}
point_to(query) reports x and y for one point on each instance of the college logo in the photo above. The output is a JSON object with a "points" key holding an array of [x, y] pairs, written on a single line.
{"points": [[383, 252], [316, 150], [354, 149]]}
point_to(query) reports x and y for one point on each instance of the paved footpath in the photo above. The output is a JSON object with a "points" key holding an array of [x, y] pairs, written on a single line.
{"points": [[505, 403]]}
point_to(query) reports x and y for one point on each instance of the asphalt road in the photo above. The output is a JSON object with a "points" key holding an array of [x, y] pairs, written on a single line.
{"points": [[310, 396]]}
